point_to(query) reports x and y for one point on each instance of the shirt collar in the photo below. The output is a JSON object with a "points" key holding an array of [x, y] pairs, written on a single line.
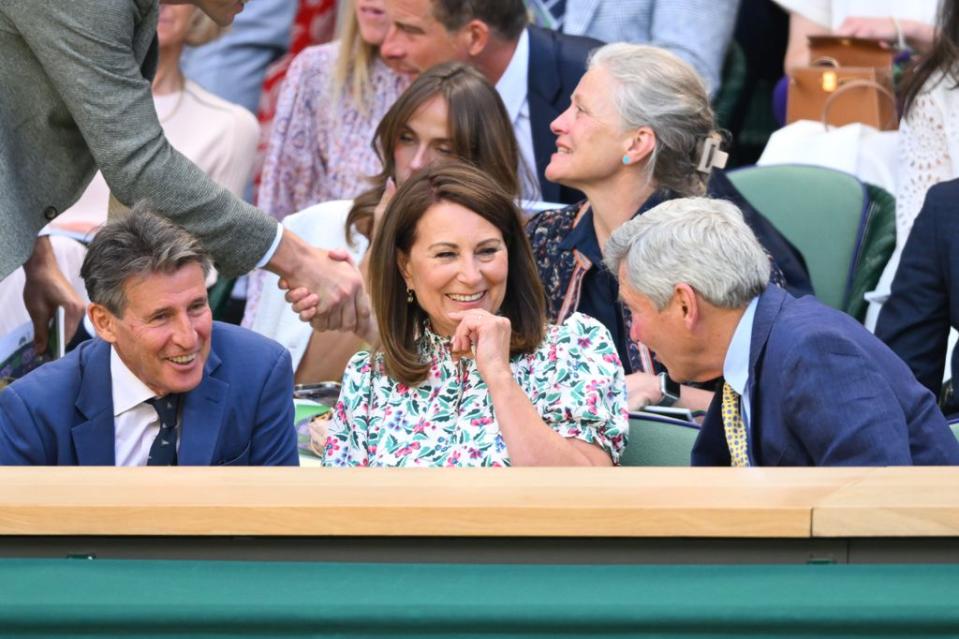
{"points": [[736, 365], [513, 84], [128, 390]]}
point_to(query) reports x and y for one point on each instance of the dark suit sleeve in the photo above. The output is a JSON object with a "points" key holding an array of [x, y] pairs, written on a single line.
{"points": [[840, 408], [274, 435], [20, 440], [86, 50], [914, 321]]}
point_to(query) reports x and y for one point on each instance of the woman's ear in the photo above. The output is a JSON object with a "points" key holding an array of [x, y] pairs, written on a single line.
{"points": [[640, 145], [403, 262]]}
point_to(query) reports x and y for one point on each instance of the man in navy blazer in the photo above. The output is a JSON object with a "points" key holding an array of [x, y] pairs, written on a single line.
{"points": [[804, 385], [924, 302], [227, 391], [535, 70]]}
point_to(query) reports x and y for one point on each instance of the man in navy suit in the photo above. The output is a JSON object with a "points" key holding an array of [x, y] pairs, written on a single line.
{"points": [[804, 385], [924, 301], [535, 70], [162, 384]]}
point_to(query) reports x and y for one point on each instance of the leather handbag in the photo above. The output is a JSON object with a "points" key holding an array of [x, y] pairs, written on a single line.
{"points": [[850, 81]]}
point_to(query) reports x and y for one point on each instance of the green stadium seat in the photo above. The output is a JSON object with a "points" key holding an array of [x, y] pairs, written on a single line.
{"points": [[655, 440]]}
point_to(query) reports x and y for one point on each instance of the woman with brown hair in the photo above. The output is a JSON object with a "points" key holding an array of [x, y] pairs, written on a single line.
{"points": [[468, 373], [450, 111]]}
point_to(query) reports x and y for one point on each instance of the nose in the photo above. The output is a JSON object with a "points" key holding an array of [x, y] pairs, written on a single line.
{"points": [[634, 331], [422, 157], [391, 48], [470, 274], [558, 126], [184, 333]]}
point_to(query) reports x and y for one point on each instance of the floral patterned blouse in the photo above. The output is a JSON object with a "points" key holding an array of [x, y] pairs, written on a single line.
{"points": [[320, 151], [574, 379]]}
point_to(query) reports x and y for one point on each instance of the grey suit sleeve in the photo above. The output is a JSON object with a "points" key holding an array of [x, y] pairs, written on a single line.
{"points": [[86, 50]]}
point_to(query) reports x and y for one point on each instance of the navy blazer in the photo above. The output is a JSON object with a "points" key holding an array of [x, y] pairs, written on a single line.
{"points": [[556, 63], [826, 392], [61, 414], [924, 301]]}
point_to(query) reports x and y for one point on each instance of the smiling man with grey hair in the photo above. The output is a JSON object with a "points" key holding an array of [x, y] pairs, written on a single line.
{"points": [[805, 385]]}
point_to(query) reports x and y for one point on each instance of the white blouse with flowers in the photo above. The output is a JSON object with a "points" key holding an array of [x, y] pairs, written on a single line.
{"points": [[574, 380]]}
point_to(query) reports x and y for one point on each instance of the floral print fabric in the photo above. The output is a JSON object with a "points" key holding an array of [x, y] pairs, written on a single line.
{"points": [[574, 380]]}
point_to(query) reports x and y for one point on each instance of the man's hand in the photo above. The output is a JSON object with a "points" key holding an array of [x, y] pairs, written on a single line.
{"points": [[339, 302], [642, 390], [45, 289]]}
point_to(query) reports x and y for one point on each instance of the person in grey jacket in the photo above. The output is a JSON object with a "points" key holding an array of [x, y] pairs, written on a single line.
{"points": [[76, 98]]}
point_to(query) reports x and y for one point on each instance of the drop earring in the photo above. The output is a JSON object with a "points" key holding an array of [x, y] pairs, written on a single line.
{"points": [[409, 296]]}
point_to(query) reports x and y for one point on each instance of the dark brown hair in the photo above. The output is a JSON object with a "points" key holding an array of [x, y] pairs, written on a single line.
{"points": [[400, 323], [506, 18], [943, 57], [480, 133]]}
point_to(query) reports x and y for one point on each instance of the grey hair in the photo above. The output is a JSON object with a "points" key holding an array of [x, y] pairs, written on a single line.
{"points": [[699, 241], [655, 88], [139, 243]]}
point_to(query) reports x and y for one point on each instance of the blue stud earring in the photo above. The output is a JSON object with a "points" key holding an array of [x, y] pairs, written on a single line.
{"points": [[626, 159]]}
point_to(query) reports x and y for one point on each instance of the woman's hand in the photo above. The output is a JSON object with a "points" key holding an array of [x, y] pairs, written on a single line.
{"points": [[389, 190], [486, 338], [304, 304], [642, 390]]}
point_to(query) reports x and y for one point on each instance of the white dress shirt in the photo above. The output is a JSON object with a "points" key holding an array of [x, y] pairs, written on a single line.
{"points": [[135, 423], [513, 88], [736, 367]]}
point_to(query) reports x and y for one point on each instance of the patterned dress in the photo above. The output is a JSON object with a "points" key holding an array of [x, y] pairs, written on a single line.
{"points": [[574, 380]]}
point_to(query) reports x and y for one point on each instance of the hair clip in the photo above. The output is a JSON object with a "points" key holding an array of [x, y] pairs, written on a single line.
{"points": [[712, 157]]}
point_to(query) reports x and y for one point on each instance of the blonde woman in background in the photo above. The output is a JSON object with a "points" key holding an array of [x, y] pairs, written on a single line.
{"points": [[332, 99]]}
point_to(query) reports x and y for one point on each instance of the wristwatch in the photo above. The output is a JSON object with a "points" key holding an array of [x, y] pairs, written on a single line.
{"points": [[668, 389]]}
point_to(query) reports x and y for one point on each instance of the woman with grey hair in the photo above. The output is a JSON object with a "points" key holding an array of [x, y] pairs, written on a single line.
{"points": [[639, 131]]}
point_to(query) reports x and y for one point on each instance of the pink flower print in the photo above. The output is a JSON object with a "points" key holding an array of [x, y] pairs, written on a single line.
{"points": [[407, 450], [341, 411], [612, 358], [332, 445], [481, 421], [474, 453], [584, 341], [552, 353], [420, 426], [402, 389], [365, 368]]}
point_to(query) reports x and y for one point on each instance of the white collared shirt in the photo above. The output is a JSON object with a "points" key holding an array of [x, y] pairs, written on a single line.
{"points": [[513, 88], [736, 366], [135, 423]]}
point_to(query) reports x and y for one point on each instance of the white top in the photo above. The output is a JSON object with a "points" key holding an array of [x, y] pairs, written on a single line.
{"points": [[513, 88], [832, 13], [136, 423], [219, 136]]}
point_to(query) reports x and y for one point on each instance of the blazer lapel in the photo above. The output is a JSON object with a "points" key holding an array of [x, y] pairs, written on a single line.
{"points": [[203, 417], [544, 104], [94, 440]]}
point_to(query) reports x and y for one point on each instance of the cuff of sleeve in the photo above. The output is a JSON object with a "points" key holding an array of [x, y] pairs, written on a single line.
{"points": [[272, 250]]}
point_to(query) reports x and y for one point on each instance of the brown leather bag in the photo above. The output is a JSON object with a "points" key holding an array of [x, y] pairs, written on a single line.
{"points": [[850, 81]]}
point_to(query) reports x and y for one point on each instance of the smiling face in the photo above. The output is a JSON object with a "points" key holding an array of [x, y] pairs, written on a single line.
{"points": [[416, 40], [372, 20], [457, 262], [163, 335], [590, 140], [423, 139]]}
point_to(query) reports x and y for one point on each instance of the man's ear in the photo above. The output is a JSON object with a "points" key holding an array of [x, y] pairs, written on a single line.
{"points": [[104, 322], [687, 304], [640, 145], [476, 36]]}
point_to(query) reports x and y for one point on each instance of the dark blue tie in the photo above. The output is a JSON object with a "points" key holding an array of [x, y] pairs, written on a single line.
{"points": [[163, 450], [558, 9]]}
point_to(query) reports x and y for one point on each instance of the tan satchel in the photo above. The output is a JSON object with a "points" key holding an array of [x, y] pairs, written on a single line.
{"points": [[849, 81]]}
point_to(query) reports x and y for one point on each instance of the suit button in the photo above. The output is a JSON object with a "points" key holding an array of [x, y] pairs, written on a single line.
{"points": [[50, 212]]}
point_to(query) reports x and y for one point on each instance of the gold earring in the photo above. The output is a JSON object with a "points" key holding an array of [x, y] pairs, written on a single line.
{"points": [[409, 295]]}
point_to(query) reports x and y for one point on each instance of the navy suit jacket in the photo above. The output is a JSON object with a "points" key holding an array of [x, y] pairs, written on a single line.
{"points": [[556, 63], [61, 414], [924, 301], [826, 392]]}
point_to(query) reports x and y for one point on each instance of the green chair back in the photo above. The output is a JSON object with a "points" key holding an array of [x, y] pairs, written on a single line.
{"points": [[658, 441], [821, 211]]}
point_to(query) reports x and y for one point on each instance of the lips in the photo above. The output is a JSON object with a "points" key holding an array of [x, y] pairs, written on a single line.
{"points": [[466, 299], [183, 360]]}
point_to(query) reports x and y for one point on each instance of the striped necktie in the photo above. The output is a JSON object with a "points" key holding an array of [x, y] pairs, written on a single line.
{"points": [[735, 428], [557, 9], [163, 450]]}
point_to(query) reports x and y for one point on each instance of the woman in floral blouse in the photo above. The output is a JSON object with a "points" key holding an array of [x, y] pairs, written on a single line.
{"points": [[468, 373]]}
